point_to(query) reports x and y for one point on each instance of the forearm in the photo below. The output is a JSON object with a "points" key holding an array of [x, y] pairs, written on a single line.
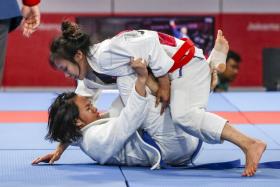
{"points": [[30, 2], [121, 128], [61, 147], [164, 82], [152, 84], [140, 86]]}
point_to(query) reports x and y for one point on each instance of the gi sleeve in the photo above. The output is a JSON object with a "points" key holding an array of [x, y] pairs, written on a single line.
{"points": [[215, 58], [109, 138], [159, 62], [116, 107], [145, 45], [125, 86], [82, 90]]}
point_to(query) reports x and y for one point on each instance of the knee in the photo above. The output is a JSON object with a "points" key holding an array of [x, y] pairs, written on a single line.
{"points": [[191, 117]]}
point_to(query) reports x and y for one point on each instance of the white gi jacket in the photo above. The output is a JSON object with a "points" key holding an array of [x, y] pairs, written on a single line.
{"points": [[177, 147], [116, 141], [111, 57]]}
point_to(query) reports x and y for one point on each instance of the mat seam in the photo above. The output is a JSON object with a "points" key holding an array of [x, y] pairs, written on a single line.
{"points": [[125, 179]]}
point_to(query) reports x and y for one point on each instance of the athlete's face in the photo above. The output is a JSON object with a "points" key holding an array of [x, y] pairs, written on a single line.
{"points": [[88, 113], [232, 69], [76, 70], [69, 69]]}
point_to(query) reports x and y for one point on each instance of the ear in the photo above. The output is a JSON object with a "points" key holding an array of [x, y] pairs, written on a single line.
{"points": [[80, 124], [79, 56]]}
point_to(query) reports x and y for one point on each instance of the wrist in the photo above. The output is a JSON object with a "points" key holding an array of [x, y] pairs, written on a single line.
{"points": [[164, 86], [140, 87], [30, 3], [142, 80]]}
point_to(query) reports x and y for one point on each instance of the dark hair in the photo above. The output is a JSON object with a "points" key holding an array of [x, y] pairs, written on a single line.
{"points": [[233, 55], [63, 114], [67, 45]]}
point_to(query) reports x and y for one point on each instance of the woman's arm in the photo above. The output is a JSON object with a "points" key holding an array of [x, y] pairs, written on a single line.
{"points": [[52, 157], [104, 141], [163, 93]]}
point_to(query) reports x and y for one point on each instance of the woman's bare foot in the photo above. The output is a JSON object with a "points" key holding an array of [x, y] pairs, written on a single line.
{"points": [[221, 44], [219, 53], [252, 148], [253, 155]]}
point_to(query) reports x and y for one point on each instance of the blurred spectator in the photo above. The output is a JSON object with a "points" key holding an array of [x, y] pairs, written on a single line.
{"points": [[11, 17], [203, 40], [230, 74], [178, 32]]}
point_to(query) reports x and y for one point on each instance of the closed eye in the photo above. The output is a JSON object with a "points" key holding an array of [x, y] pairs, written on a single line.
{"points": [[88, 106]]}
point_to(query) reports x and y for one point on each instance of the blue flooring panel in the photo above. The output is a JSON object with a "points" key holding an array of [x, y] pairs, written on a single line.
{"points": [[142, 177], [253, 131], [24, 136], [272, 131], [105, 101], [254, 101], [218, 103], [216, 156], [17, 101], [74, 169], [23, 142], [267, 101], [139, 177]]}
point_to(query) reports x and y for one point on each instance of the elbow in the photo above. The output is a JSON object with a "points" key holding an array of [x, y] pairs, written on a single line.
{"points": [[104, 158], [102, 161]]}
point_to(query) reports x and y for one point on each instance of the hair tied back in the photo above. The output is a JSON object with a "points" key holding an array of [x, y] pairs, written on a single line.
{"points": [[71, 30]]}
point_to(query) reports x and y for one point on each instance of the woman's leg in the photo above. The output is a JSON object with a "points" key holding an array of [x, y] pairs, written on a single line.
{"points": [[189, 97], [188, 102], [252, 148]]}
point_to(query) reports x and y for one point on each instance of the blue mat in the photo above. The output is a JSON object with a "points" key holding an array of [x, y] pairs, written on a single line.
{"points": [[254, 101], [199, 177], [271, 131], [218, 103], [74, 169], [220, 172], [20, 101], [105, 100], [24, 136], [271, 164], [253, 131], [22, 142]]}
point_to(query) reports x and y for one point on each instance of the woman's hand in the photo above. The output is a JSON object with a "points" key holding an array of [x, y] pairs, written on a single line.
{"points": [[163, 93], [163, 97], [52, 157], [140, 67], [31, 19], [49, 158]]}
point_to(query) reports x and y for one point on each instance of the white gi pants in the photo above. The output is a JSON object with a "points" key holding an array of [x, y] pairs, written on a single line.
{"points": [[190, 88]]}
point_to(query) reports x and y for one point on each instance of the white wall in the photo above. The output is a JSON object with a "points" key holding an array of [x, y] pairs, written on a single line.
{"points": [[75, 6], [167, 6], [251, 6], [160, 6]]}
